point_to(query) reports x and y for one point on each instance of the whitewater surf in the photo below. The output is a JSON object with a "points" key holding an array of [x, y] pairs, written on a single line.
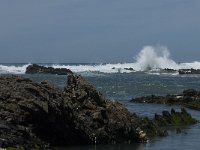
{"points": [[150, 58]]}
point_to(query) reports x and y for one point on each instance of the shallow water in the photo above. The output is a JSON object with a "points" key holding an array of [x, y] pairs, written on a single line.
{"points": [[123, 87]]}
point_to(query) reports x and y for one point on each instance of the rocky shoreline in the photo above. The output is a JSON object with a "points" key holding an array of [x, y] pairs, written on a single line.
{"points": [[40, 115], [189, 98], [182, 71], [38, 69], [168, 70]]}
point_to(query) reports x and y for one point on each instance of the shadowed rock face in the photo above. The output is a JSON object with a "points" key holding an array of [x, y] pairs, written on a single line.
{"points": [[28, 111], [33, 69], [97, 119], [40, 114]]}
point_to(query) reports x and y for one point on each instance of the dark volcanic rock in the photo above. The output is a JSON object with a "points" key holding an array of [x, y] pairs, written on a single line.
{"points": [[97, 119], [189, 98], [131, 69], [174, 118], [39, 114], [33, 69], [169, 70], [169, 99], [28, 112]]}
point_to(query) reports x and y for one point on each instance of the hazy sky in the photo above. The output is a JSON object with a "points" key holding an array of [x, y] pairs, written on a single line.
{"points": [[97, 30]]}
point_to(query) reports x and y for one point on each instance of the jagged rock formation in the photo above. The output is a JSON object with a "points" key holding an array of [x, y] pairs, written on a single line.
{"points": [[42, 115], [189, 98], [34, 68], [174, 118]]}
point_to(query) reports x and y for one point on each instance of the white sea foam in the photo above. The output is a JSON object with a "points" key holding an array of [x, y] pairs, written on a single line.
{"points": [[149, 58], [12, 69], [105, 68]]}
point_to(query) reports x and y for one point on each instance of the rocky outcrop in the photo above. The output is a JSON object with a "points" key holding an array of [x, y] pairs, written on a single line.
{"points": [[34, 68], [168, 99], [96, 119], [42, 115], [174, 118], [130, 69], [189, 98], [189, 71], [163, 121], [28, 112], [169, 70]]}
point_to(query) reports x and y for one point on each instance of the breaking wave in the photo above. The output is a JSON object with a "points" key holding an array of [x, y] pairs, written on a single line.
{"points": [[13, 68], [154, 57], [149, 58]]}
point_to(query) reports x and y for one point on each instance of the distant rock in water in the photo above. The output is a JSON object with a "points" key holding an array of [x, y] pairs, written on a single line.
{"points": [[189, 98], [189, 71], [37, 69], [130, 69], [168, 70], [41, 115]]}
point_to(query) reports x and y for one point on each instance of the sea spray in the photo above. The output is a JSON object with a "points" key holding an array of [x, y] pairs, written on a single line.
{"points": [[154, 58], [149, 58]]}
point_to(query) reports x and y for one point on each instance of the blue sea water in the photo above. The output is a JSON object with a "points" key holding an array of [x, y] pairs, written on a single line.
{"points": [[122, 86]]}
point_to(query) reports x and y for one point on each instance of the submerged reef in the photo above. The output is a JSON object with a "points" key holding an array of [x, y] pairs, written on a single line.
{"points": [[40, 115]]}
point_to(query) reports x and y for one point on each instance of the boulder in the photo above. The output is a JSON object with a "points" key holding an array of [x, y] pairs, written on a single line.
{"points": [[37, 69]]}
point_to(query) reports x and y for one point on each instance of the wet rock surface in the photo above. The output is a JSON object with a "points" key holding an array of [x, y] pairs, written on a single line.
{"points": [[42, 115], [189, 98], [174, 118], [37, 69]]}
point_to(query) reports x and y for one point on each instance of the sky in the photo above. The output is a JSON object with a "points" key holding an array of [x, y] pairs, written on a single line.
{"points": [[97, 31]]}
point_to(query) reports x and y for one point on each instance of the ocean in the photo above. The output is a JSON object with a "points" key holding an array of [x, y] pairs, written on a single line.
{"points": [[119, 84], [124, 81]]}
